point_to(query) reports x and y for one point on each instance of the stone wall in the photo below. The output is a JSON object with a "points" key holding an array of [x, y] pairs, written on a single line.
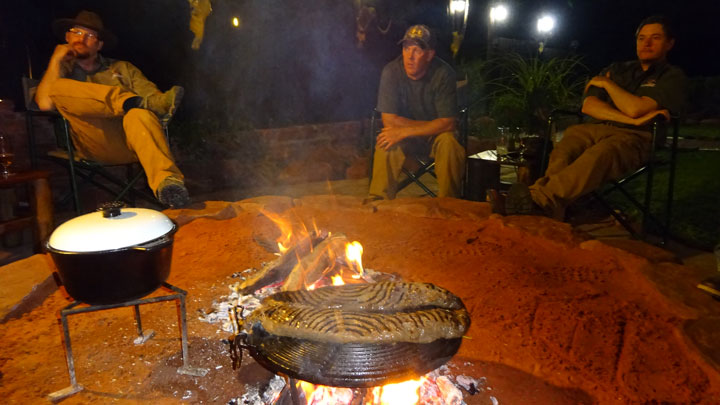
{"points": [[289, 155]]}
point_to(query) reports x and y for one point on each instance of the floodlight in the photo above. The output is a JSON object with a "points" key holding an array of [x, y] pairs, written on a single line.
{"points": [[458, 6], [545, 24], [498, 13]]}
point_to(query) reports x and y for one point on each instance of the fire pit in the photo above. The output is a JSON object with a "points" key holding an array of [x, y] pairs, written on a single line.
{"points": [[333, 330]]}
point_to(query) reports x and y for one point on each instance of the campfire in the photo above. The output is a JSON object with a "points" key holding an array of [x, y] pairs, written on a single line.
{"points": [[334, 332]]}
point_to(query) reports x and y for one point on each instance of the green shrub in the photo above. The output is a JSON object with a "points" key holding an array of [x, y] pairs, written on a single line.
{"points": [[521, 92]]}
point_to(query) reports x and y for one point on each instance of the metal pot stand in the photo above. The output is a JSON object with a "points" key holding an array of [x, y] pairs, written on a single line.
{"points": [[143, 336]]}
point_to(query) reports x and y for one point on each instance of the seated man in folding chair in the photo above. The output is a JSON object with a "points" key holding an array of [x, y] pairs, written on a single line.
{"points": [[622, 101], [113, 110], [418, 102]]}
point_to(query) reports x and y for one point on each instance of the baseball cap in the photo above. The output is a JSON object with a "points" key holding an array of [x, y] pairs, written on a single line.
{"points": [[420, 35]]}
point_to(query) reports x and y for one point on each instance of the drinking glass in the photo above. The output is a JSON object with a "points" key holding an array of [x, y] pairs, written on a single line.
{"points": [[513, 150], [502, 144], [6, 155]]}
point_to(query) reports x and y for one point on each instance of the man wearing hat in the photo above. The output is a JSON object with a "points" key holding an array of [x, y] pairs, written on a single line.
{"points": [[418, 101], [113, 110]]}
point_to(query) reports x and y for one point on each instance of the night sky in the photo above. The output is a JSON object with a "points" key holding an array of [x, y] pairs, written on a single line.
{"points": [[296, 61]]}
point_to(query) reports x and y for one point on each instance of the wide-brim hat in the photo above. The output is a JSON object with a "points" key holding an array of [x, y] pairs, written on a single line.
{"points": [[86, 19]]}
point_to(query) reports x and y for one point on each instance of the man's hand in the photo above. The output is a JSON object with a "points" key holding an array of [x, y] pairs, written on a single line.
{"points": [[647, 118], [62, 53], [599, 81], [390, 136]]}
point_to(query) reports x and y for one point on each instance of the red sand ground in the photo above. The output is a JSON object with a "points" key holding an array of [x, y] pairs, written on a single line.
{"points": [[556, 319]]}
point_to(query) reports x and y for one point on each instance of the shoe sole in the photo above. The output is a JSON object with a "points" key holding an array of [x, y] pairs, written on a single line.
{"points": [[174, 196], [179, 93]]}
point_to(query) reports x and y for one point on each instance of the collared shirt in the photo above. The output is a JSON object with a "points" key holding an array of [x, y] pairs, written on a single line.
{"points": [[664, 83], [432, 96], [113, 73]]}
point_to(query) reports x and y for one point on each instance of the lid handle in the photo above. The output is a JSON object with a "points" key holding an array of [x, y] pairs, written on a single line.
{"points": [[111, 209]]}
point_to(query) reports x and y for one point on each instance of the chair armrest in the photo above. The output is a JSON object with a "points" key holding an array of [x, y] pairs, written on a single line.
{"points": [[558, 112], [658, 128]]}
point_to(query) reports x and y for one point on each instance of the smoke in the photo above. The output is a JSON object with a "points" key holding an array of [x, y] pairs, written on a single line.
{"points": [[290, 62]]}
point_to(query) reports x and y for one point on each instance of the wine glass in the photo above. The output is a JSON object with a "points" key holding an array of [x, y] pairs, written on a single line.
{"points": [[502, 142], [6, 155]]}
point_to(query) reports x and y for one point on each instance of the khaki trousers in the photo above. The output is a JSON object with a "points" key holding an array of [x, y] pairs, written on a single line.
{"points": [[103, 132], [588, 156], [449, 158]]}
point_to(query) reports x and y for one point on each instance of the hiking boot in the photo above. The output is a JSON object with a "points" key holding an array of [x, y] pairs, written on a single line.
{"points": [[164, 104], [172, 192], [519, 201]]}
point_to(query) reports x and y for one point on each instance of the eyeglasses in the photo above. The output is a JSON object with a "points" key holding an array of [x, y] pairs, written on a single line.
{"points": [[80, 33]]}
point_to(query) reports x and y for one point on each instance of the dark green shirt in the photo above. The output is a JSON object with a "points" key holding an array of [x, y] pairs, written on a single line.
{"points": [[113, 73], [664, 83], [432, 96]]}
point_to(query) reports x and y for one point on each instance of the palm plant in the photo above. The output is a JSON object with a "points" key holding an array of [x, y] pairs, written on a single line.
{"points": [[521, 92]]}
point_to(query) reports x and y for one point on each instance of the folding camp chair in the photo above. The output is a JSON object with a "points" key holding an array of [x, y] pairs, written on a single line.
{"points": [[419, 165], [92, 172], [659, 141]]}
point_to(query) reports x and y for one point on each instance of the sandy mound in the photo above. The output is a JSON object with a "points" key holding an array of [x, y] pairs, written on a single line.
{"points": [[556, 318]]}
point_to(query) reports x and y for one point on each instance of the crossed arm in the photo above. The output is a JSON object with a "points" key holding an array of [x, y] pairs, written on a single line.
{"points": [[397, 128], [629, 108]]}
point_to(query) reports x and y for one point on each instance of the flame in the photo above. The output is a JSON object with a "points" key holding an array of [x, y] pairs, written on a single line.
{"points": [[286, 231], [403, 393], [337, 280], [353, 253], [323, 395]]}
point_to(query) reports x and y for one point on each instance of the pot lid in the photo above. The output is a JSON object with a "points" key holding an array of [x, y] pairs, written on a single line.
{"points": [[110, 229]]}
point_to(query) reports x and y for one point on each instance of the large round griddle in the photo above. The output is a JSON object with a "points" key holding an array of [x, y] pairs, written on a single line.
{"points": [[355, 365]]}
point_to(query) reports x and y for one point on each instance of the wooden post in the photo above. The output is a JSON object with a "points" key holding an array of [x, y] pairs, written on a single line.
{"points": [[43, 208]]}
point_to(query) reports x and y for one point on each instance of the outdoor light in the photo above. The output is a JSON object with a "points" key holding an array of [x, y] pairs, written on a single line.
{"points": [[458, 6], [457, 13], [498, 13], [235, 22], [545, 24]]}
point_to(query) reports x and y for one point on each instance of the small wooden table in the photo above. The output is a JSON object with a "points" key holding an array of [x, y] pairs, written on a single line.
{"points": [[41, 208], [483, 173]]}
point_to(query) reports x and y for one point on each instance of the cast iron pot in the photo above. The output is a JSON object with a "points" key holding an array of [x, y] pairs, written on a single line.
{"points": [[113, 255]]}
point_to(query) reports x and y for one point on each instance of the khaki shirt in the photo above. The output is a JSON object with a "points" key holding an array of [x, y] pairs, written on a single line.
{"points": [[113, 73]]}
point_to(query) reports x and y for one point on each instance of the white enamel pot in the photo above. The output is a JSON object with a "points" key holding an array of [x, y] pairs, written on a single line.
{"points": [[113, 255]]}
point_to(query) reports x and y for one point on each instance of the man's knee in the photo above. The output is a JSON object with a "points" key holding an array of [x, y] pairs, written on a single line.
{"points": [[62, 87], [142, 116], [447, 143]]}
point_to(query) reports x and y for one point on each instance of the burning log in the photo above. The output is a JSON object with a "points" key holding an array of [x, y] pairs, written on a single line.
{"points": [[279, 269], [313, 266]]}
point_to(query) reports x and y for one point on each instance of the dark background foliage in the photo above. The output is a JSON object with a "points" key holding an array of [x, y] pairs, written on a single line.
{"points": [[296, 61]]}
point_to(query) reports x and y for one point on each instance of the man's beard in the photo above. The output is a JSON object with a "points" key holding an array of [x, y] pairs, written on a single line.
{"points": [[81, 52]]}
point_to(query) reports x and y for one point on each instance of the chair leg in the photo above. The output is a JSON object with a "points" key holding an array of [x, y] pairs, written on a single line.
{"points": [[71, 168], [671, 182], [646, 214], [621, 220]]}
